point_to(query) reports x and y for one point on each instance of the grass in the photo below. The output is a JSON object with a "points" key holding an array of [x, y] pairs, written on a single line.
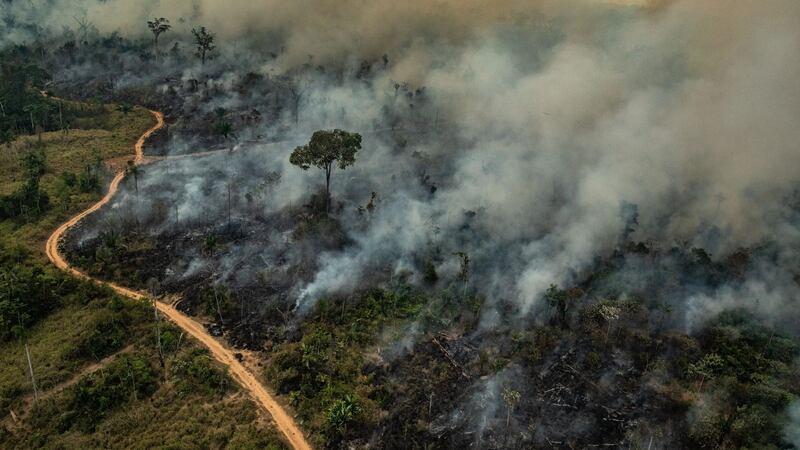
{"points": [[51, 353], [68, 152], [86, 345], [182, 412]]}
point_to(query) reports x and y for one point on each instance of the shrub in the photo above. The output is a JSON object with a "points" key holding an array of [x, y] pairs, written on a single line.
{"points": [[341, 413], [195, 370], [130, 377]]}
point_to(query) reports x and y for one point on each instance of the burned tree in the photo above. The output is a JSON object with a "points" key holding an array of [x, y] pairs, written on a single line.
{"points": [[326, 148]]}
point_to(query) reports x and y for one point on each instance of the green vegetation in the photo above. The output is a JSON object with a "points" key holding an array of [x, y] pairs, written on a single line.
{"points": [[325, 150], [98, 375], [98, 379], [746, 379], [45, 179], [204, 41], [322, 372]]}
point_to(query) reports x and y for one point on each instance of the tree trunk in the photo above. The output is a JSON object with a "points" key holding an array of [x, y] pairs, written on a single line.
{"points": [[219, 311], [30, 369], [328, 189], [158, 335], [133, 381]]}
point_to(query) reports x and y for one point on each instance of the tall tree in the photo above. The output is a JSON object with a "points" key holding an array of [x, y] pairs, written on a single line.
{"points": [[158, 27], [222, 127], [463, 274], [38, 113], [511, 398], [205, 43], [134, 170], [326, 149]]}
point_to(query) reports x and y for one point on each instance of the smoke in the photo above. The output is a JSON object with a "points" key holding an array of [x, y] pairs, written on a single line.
{"points": [[519, 133], [328, 30], [542, 120], [551, 145]]}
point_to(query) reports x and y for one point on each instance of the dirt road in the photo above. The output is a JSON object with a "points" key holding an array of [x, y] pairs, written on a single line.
{"points": [[282, 419]]}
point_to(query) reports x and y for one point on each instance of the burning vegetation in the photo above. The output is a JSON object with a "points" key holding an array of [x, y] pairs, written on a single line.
{"points": [[541, 224]]}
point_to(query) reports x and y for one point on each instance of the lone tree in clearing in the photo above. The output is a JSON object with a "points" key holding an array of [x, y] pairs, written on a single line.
{"points": [[158, 27], [204, 41], [326, 148]]}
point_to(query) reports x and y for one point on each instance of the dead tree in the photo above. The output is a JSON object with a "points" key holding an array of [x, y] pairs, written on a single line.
{"points": [[30, 369], [158, 334], [450, 358]]}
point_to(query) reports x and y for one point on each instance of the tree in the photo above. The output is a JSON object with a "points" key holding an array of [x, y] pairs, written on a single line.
{"points": [[158, 27], [705, 368], [158, 333], [7, 137], [205, 43], [223, 128], [341, 413], [134, 170], [463, 274], [511, 398], [558, 299], [28, 197], [30, 370], [326, 149], [38, 111], [125, 108]]}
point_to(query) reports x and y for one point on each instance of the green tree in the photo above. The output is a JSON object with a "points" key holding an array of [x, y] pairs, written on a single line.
{"points": [[706, 367], [38, 113], [7, 137], [158, 26], [125, 108], [134, 170], [327, 148], [224, 129], [205, 43]]}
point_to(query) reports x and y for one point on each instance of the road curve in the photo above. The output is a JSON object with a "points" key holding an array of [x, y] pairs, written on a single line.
{"points": [[244, 377]]}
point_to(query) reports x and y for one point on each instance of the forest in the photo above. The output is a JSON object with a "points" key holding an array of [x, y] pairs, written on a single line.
{"points": [[507, 225]]}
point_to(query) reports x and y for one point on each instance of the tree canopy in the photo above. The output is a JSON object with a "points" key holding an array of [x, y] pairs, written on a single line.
{"points": [[326, 149], [204, 41]]}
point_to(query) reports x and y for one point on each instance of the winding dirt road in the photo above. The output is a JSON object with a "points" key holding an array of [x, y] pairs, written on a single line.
{"points": [[282, 419]]}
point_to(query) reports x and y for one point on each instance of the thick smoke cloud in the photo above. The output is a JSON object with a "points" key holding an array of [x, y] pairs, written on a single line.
{"points": [[554, 115], [552, 144]]}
